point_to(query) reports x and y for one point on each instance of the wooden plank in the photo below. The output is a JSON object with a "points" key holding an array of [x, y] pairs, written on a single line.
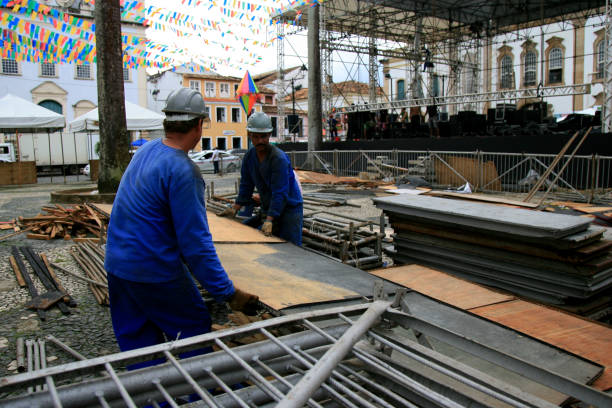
{"points": [[482, 197], [94, 240], [19, 231], [17, 272], [588, 339], [262, 270], [448, 289], [583, 337], [583, 207], [103, 208], [43, 237]]}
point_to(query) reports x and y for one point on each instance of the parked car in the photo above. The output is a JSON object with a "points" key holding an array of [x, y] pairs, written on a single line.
{"points": [[238, 152], [228, 162]]}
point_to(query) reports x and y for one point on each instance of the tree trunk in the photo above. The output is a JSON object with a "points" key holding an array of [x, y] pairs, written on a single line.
{"points": [[114, 137]]}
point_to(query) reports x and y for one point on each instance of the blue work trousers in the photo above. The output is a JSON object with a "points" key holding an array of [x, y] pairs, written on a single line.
{"points": [[143, 313]]}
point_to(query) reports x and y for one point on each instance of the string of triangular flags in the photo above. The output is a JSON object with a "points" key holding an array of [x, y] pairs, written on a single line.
{"points": [[72, 39]]}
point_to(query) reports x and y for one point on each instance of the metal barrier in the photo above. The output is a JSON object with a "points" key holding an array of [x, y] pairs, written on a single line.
{"points": [[347, 355], [578, 178]]}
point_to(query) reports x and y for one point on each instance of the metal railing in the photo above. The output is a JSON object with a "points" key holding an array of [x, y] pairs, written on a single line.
{"points": [[342, 354], [584, 178]]}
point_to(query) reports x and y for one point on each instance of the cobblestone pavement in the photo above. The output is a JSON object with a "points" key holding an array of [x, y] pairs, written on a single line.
{"points": [[88, 328]]}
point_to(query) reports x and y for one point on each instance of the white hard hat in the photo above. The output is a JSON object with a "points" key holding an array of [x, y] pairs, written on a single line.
{"points": [[259, 122], [184, 104]]}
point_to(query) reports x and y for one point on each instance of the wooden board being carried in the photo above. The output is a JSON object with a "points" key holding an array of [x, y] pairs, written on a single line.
{"points": [[223, 230], [228, 231], [285, 275]]}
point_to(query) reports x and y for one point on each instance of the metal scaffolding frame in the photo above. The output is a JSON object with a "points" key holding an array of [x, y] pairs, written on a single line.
{"points": [[606, 114], [400, 28], [343, 354], [281, 89]]}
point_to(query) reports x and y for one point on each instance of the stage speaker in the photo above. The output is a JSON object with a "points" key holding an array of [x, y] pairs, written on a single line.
{"points": [[480, 124], [444, 128], [293, 122], [491, 116]]}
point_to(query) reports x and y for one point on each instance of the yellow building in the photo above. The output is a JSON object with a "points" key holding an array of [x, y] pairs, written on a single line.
{"points": [[227, 118]]}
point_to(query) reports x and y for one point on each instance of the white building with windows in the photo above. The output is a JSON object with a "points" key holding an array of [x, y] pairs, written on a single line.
{"points": [[68, 89]]}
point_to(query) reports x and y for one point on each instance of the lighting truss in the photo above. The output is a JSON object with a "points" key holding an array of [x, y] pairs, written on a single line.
{"points": [[343, 354], [504, 95]]}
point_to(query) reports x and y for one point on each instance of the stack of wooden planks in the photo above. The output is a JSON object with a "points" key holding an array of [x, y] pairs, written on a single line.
{"points": [[77, 223], [90, 258]]}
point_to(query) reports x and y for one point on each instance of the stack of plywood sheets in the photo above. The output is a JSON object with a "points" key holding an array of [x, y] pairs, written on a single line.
{"points": [[553, 258]]}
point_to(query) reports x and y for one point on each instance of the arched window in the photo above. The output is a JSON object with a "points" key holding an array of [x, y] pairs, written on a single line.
{"points": [[555, 66], [52, 105], [601, 52], [82, 107], [401, 90], [530, 68], [507, 73]]}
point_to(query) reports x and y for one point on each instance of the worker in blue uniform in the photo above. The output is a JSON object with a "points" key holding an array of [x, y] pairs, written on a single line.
{"points": [[268, 169], [158, 236]]}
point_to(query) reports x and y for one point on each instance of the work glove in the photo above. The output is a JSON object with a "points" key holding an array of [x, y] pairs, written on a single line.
{"points": [[266, 228], [228, 212], [244, 302]]}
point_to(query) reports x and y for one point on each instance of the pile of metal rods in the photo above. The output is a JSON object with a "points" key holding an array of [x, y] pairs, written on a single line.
{"points": [[351, 241], [325, 200], [31, 356], [90, 258]]}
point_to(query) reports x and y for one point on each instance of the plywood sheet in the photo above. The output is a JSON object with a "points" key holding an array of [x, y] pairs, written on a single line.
{"points": [[583, 337], [448, 289], [284, 275], [472, 170], [587, 208], [223, 230]]}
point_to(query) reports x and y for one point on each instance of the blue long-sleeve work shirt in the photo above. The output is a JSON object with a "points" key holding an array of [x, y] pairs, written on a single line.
{"points": [[274, 180], [159, 218]]}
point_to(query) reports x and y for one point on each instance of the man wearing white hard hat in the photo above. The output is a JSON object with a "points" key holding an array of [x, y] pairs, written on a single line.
{"points": [[268, 169]]}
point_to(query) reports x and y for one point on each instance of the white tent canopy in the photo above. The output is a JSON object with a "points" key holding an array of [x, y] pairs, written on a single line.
{"points": [[137, 117], [18, 113]]}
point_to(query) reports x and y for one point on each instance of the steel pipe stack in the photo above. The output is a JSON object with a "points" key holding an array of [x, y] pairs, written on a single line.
{"points": [[552, 258]]}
